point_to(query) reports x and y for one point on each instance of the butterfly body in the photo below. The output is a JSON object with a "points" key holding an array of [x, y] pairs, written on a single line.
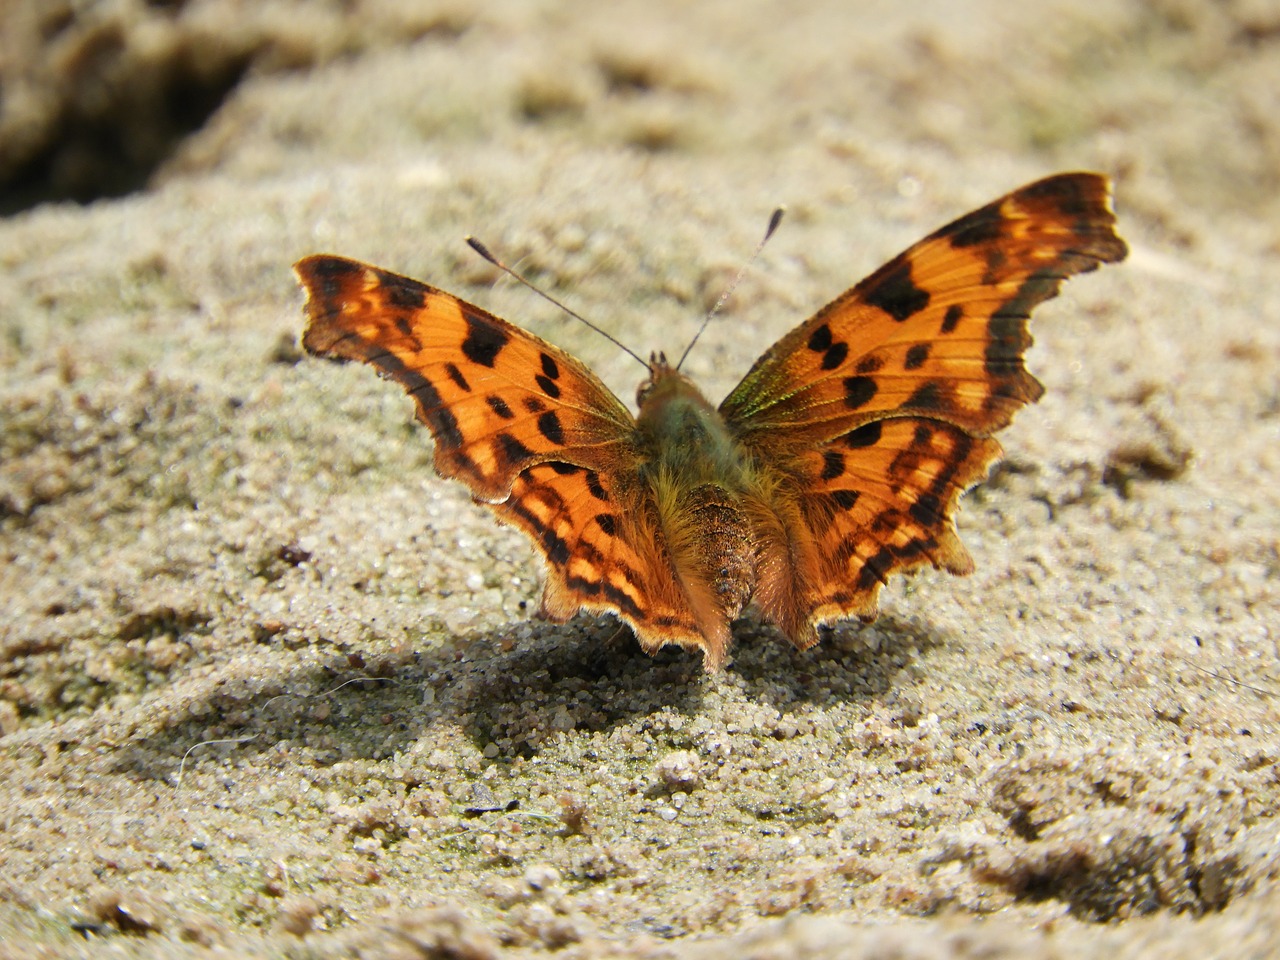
{"points": [[839, 459], [700, 485]]}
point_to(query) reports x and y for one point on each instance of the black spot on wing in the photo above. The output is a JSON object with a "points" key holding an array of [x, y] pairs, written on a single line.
{"points": [[593, 485], [832, 464], [556, 546], [513, 451], [499, 406], [608, 523], [549, 426], [845, 499], [893, 291], [401, 291], [858, 391], [877, 567], [981, 226], [534, 405], [928, 396], [867, 435], [835, 355], [834, 351], [329, 276], [916, 356], [622, 601], [546, 380], [588, 588], [456, 376], [927, 511], [615, 595], [484, 341], [405, 329], [952, 318], [1066, 193], [820, 340]]}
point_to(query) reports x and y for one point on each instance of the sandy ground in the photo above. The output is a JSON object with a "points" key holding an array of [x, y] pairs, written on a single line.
{"points": [[270, 688]]}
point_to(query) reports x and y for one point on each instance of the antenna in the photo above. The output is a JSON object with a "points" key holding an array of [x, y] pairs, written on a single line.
{"points": [[481, 249], [774, 219]]}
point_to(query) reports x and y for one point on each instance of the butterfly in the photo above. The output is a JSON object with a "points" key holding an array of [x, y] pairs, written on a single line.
{"points": [[838, 459]]}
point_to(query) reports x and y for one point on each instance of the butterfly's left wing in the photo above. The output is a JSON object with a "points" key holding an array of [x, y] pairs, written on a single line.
{"points": [[876, 413]]}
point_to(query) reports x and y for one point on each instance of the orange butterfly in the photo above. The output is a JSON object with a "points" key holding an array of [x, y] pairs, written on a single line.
{"points": [[838, 460]]}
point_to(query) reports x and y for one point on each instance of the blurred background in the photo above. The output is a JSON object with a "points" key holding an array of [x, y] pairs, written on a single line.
{"points": [[100, 99]]}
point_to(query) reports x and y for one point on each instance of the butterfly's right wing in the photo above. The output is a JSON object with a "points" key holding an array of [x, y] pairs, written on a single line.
{"points": [[605, 554], [534, 434], [497, 399]]}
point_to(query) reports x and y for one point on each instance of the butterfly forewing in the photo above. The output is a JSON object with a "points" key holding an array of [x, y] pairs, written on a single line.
{"points": [[939, 331], [496, 398]]}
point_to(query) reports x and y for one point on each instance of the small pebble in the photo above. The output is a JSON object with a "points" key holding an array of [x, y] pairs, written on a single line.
{"points": [[679, 770], [540, 876]]}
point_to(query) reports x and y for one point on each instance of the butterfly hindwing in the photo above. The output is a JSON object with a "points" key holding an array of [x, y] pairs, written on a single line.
{"points": [[602, 554], [882, 500], [876, 412]]}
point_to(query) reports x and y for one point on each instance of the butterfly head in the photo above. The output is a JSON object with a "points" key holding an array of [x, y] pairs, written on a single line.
{"points": [[663, 379]]}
